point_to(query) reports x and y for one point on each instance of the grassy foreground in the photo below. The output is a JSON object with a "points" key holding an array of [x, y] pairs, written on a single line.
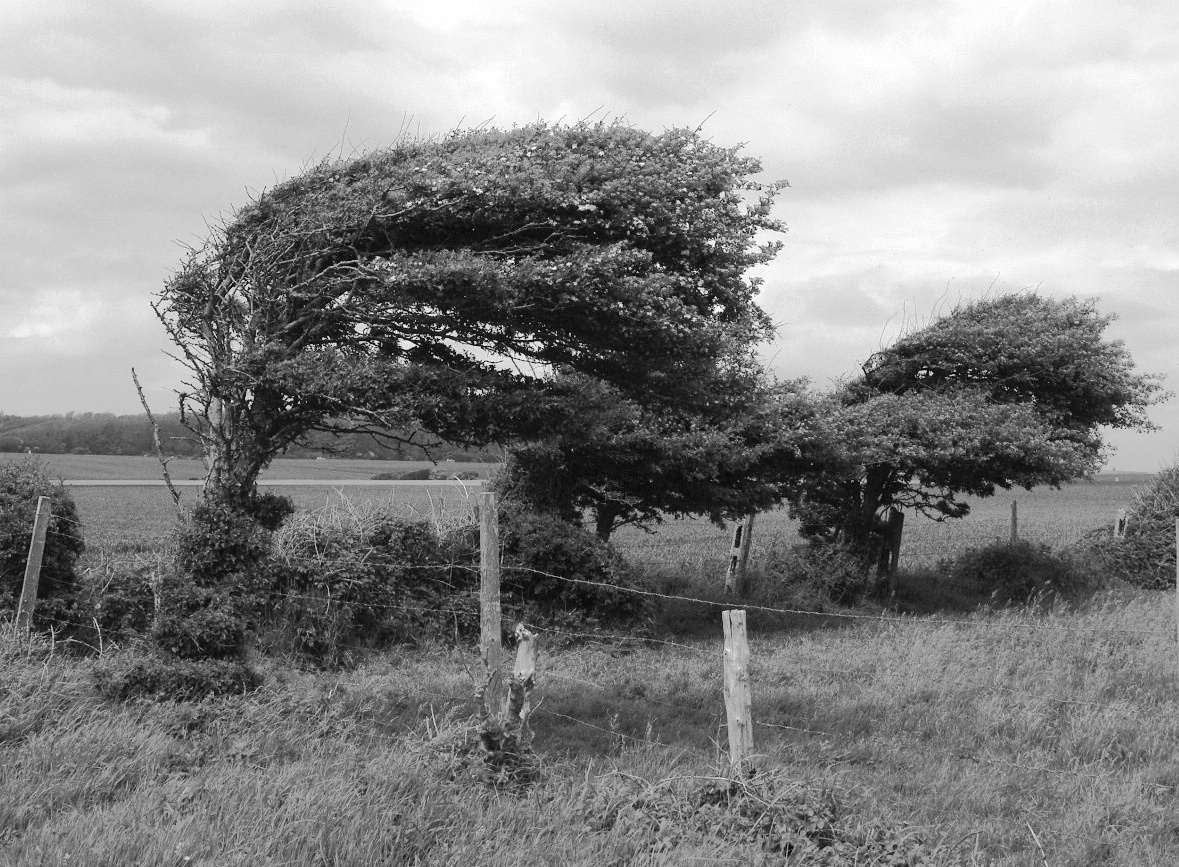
{"points": [[1017, 738]]}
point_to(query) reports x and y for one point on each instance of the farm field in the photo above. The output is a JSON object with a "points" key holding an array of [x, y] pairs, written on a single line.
{"points": [[148, 468], [140, 517], [1053, 517], [144, 516]]}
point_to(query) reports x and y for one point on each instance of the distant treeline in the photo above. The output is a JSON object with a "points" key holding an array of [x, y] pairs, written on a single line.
{"points": [[97, 433]]}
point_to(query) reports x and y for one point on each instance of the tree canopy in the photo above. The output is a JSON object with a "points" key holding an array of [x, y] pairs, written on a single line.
{"points": [[441, 283], [1009, 391], [627, 464]]}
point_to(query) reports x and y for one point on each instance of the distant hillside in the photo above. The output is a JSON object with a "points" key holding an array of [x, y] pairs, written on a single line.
{"points": [[90, 433]]}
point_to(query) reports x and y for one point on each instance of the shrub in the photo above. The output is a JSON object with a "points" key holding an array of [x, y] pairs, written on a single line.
{"points": [[1022, 572], [175, 680], [544, 561], [1145, 557], [115, 604], [219, 544], [196, 622], [370, 576], [818, 566], [439, 473], [223, 580], [21, 484]]}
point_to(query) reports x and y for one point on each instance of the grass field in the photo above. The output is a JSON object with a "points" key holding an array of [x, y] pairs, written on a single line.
{"points": [[1016, 738], [143, 517], [148, 468]]}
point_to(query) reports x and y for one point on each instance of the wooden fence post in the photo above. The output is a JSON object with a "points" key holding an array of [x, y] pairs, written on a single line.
{"points": [[1014, 522], [738, 698], [516, 731], [739, 557], [490, 640], [28, 593]]}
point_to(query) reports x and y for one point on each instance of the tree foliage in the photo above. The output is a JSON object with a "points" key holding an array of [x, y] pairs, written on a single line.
{"points": [[442, 282], [1009, 391], [738, 452]]}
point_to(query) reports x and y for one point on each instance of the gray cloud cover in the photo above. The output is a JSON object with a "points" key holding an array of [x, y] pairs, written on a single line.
{"points": [[936, 151]]}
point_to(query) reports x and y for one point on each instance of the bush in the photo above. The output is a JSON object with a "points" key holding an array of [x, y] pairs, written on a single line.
{"points": [[544, 558], [821, 567], [1145, 557], [222, 545], [223, 581], [21, 484], [115, 604], [370, 577], [1022, 572], [197, 622], [175, 680], [441, 473]]}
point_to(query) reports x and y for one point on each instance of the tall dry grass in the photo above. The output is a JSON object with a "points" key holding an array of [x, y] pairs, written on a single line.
{"points": [[1003, 739]]}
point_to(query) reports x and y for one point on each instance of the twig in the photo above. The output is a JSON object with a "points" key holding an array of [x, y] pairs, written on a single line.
{"points": [[155, 436], [1039, 845]]}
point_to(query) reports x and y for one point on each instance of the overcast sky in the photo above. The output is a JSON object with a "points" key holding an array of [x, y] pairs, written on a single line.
{"points": [[936, 152]]}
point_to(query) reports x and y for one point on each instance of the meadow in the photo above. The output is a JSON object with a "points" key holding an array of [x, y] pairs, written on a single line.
{"points": [[142, 517], [1009, 738]]}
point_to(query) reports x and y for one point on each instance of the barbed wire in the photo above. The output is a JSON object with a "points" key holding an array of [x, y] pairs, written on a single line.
{"points": [[884, 617]]}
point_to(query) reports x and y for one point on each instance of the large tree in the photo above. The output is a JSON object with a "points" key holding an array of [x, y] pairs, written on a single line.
{"points": [[441, 284], [1013, 390]]}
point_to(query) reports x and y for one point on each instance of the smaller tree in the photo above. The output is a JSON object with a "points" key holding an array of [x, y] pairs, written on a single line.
{"points": [[736, 450], [1003, 392]]}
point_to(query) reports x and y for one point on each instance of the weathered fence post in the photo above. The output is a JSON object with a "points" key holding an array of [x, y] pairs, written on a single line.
{"points": [[738, 698], [739, 557], [516, 729], [28, 593], [1014, 522], [490, 641]]}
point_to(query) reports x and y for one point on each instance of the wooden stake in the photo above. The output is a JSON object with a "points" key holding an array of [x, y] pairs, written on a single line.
{"points": [[490, 641], [1014, 522], [28, 593], [738, 697]]}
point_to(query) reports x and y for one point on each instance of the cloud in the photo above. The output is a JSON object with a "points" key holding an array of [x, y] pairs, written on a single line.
{"points": [[936, 150]]}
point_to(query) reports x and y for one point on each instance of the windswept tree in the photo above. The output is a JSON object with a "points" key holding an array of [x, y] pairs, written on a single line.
{"points": [[440, 284], [1009, 391], [739, 452]]}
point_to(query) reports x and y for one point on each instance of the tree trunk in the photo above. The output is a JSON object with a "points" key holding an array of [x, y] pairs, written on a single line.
{"points": [[605, 514], [868, 534]]}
